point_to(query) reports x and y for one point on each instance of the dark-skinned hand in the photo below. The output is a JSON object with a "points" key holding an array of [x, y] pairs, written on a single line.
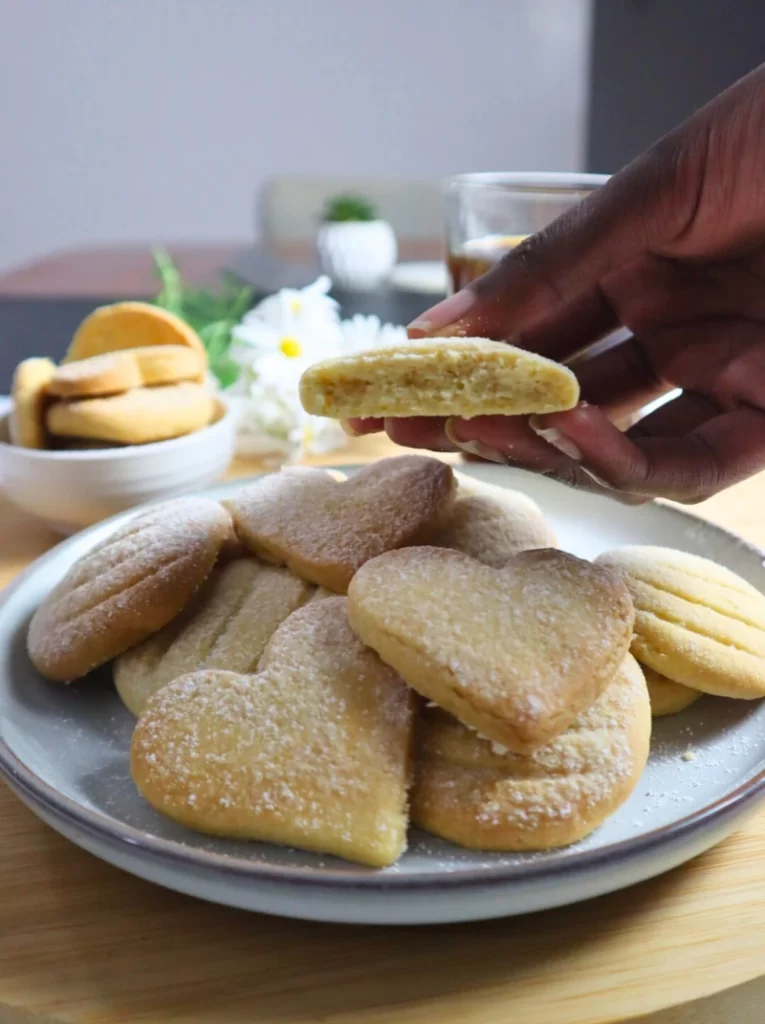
{"points": [[671, 248]]}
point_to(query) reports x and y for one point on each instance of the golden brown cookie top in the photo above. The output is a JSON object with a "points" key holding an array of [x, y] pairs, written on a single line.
{"points": [[324, 529], [28, 402], [696, 622], [491, 529], [226, 626], [313, 750], [515, 652], [126, 588], [481, 795], [121, 325], [115, 372]]}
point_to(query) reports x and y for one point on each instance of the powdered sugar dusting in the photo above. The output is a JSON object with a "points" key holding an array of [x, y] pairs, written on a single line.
{"points": [[312, 750], [117, 593], [470, 790], [324, 529], [227, 628], [514, 652]]}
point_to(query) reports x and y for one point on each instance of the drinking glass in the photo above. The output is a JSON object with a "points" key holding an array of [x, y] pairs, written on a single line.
{"points": [[487, 214]]}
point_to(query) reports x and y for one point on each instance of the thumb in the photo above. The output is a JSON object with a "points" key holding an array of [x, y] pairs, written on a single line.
{"points": [[544, 294]]}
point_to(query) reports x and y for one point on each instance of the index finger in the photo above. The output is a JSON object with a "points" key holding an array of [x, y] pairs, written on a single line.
{"points": [[545, 293]]}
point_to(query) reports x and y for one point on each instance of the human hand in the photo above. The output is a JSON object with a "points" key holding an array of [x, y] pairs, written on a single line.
{"points": [[673, 248]]}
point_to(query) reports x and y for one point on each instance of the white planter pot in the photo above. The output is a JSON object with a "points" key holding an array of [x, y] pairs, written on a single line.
{"points": [[357, 255]]}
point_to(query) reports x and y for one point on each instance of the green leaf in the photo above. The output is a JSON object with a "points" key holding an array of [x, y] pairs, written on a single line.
{"points": [[349, 208], [216, 338], [213, 315], [226, 371], [171, 295], [240, 303]]}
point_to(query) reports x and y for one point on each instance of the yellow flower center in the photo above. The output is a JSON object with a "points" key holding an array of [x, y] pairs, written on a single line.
{"points": [[296, 305], [290, 347]]}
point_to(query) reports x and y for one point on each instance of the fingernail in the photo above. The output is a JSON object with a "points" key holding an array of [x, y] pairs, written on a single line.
{"points": [[348, 429], [597, 479], [554, 437], [444, 313], [477, 448]]}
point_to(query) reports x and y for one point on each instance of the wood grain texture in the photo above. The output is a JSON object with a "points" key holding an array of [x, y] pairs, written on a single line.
{"points": [[83, 943]]}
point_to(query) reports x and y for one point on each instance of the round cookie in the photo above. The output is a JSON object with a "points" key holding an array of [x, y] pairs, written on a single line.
{"points": [[696, 622], [28, 401], [667, 698], [115, 372], [130, 325], [438, 377], [516, 652], [491, 523], [313, 751], [478, 795], [127, 588], [135, 417], [324, 529], [227, 626]]}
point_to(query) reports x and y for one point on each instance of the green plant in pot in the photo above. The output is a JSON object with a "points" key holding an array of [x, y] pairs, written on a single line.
{"points": [[356, 248]]}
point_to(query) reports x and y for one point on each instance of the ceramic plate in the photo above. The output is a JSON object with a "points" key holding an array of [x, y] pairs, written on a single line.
{"points": [[64, 750]]}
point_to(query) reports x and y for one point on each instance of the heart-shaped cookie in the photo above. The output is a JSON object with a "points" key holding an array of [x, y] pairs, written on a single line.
{"points": [[517, 653], [324, 530], [313, 751], [472, 793]]}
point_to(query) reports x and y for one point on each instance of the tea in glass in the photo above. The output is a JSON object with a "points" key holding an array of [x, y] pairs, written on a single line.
{"points": [[489, 214]]}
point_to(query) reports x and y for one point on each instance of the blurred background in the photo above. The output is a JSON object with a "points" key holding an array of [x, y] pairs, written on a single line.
{"points": [[277, 139], [290, 180], [142, 120], [130, 120]]}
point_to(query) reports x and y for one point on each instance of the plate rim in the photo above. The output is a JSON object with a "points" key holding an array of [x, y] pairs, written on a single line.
{"points": [[173, 852]]}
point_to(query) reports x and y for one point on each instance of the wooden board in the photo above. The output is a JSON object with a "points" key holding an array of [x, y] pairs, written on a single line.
{"points": [[84, 943]]}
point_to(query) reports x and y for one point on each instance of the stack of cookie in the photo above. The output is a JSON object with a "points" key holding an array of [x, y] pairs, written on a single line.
{"points": [[317, 662], [133, 374]]}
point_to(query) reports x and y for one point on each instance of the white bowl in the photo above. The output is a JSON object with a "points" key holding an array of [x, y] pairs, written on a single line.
{"points": [[74, 489]]}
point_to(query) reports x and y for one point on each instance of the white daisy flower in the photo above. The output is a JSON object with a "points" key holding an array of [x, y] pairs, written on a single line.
{"points": [[274, 344], [293, 320], [363, 332]]}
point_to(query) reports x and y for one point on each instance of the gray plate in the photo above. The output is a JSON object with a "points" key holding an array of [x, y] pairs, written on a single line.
{"points": [[65, 752]]}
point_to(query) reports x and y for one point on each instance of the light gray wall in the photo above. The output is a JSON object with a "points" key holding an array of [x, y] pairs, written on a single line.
{"points": [[136, 120]]}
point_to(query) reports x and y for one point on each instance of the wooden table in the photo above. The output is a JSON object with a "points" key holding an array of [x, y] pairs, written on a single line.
{"points": [[128, 270], [112, 270], [83, 943]]}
